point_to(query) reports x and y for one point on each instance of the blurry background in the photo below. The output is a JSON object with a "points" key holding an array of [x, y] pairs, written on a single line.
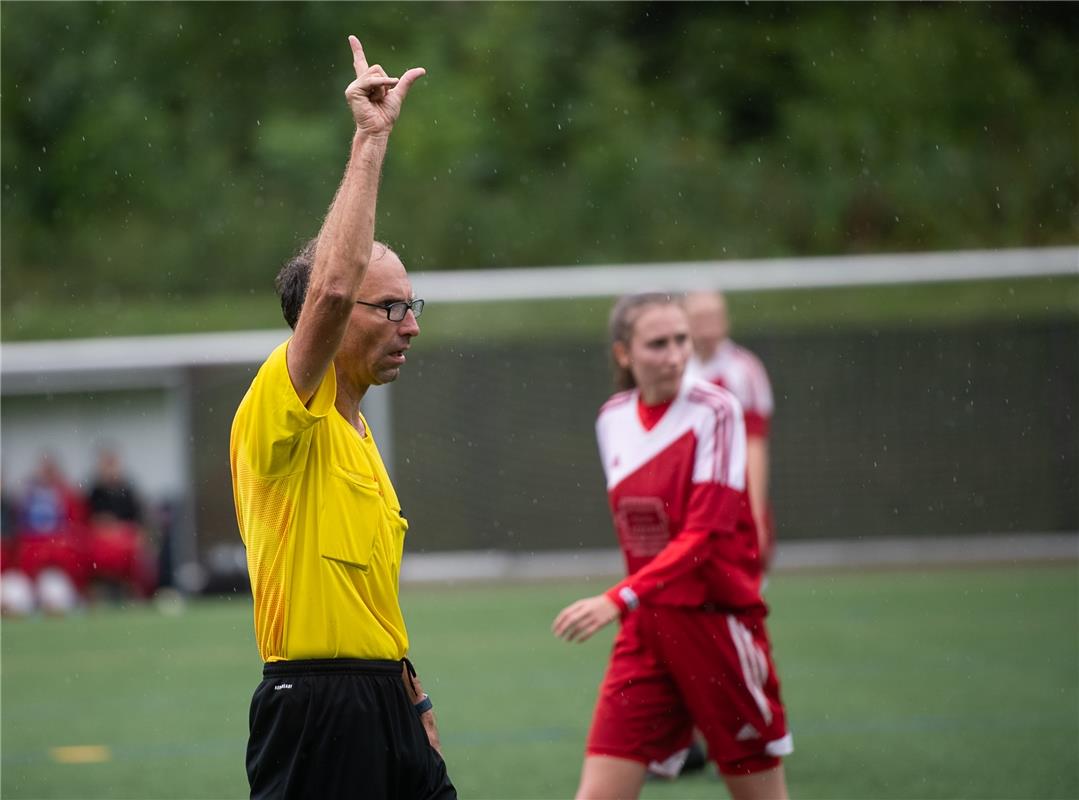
{"points": [[174, 155], [159, 162], [159, 165]]}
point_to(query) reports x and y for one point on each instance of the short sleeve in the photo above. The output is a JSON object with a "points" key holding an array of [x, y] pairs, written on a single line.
{"points": [[272, 425], [757, 425]]}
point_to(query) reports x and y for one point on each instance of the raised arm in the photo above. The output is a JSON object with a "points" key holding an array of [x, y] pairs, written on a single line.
{"points": [[344, 243]]}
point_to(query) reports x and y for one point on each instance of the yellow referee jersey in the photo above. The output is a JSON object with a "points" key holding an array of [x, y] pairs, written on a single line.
{"points": [[321, 521]]}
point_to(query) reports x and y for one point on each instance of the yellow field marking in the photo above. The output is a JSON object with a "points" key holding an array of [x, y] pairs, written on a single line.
{"points": [[81, 754]]}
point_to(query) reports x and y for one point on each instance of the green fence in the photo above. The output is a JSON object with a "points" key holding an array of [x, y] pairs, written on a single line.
{"points": [[967, 429], [883, 432]]}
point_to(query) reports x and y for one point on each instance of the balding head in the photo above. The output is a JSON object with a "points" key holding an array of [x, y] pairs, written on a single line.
{"points": [[708, 323], [291, 282]]}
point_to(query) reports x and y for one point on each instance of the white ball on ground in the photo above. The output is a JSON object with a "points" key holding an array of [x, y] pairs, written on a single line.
{"points": [[16, 593], [55, 592]]}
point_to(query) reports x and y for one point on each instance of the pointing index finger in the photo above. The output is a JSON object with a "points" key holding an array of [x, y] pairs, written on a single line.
{"points": [[359, 60]]}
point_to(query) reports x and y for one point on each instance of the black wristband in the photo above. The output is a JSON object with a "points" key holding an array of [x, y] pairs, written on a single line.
{"points": [[424, 705]]}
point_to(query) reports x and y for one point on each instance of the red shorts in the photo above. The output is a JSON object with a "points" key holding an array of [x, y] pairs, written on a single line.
{"points": [[675, 668]]}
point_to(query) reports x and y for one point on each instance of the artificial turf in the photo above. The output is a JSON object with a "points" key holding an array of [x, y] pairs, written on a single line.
{"points": [[959, 683]]}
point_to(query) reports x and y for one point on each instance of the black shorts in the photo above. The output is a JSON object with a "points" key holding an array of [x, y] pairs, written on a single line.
{"points": [[340, 728]]}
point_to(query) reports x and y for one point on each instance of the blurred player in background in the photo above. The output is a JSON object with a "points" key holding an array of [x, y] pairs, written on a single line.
{"points": [[692, 649], [717, 359], [339, 712]]}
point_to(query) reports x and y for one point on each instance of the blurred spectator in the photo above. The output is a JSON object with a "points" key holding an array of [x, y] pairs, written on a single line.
{"points": [[16, 589], [50, 504], [51, 527], [117, 546], [112, 497]]}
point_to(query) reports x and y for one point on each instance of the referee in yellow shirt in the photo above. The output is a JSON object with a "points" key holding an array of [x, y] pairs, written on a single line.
{"points": [[340, 712]]}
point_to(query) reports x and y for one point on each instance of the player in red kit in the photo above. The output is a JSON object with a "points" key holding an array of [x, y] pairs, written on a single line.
{"points": [[692, 649], [719, 360]]}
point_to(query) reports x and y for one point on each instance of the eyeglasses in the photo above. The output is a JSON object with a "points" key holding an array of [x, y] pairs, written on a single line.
{"points": [[395, 312]]}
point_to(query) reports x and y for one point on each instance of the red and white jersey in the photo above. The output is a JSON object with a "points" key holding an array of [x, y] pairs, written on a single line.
{"points": [[677, 493], [739, 371]]}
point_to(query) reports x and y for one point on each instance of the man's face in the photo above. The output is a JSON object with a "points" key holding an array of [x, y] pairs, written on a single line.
{"points": [[657, 351], [373, 350]]}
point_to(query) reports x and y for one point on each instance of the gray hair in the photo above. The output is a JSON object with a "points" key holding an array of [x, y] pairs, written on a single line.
{"points": [[292, 279]]}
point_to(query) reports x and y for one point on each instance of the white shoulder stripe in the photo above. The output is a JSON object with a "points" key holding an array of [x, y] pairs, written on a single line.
{"points": [[711, 415], [721, 438]]}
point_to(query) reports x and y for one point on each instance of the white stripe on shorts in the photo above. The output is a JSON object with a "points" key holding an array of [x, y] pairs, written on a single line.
{"points": [[754, 665], [780, 747]]}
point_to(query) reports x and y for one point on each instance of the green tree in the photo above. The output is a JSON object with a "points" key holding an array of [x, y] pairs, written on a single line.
{"points": [[179, 150]]}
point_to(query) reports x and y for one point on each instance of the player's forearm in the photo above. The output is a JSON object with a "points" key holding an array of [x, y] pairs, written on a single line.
{"points": [[757, 470], [714, 511], [681, 556], [341, 258]]}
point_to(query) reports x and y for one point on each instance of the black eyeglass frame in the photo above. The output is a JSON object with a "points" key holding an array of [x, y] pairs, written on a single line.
{"points": [[415, 305]]}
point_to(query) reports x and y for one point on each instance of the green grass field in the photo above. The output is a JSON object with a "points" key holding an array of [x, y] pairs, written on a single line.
{"points": [[914, 684]]}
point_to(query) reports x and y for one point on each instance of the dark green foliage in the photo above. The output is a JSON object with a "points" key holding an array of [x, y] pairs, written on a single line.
{"points": [[172, 150]]}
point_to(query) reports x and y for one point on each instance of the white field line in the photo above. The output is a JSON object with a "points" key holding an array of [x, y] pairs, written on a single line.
{"points": [[868, 552]]}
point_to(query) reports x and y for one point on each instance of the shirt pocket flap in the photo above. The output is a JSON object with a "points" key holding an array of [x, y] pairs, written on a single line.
{"points": [[352, 516]]}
